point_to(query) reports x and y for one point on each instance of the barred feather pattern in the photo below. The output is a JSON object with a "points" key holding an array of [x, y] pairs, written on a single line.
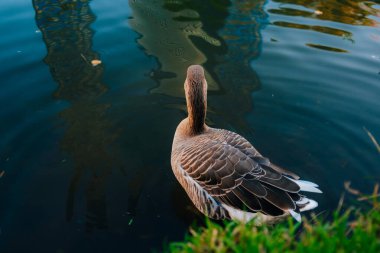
{"points": [[219, 168], [203, 201]]}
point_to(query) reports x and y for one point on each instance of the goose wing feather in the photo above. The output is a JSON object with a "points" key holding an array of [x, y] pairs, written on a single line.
{"points": [[228, 171], [247, 148]]}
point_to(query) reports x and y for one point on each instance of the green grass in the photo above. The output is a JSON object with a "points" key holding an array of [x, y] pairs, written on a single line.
{"points": [[352, 230]]}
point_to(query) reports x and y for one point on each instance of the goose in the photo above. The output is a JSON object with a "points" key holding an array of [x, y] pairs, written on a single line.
{"points": [[224, 175]]}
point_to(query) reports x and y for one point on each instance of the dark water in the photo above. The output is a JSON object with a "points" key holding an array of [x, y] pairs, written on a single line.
{"points": [[85, 149]]}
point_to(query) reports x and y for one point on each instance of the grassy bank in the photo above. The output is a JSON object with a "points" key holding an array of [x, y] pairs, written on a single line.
{"points": [[352, 230]]}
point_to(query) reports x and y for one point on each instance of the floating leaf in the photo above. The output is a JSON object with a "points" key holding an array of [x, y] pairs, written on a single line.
{"points": [[95, 62]]}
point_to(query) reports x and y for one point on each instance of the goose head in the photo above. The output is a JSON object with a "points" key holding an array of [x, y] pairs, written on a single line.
{"points": [[196, 98]]}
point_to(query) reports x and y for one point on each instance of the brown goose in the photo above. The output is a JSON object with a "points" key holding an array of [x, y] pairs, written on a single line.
{"points": [[224, 175]]}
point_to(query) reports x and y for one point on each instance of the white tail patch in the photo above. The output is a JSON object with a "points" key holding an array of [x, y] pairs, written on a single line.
{"points": [[311, 205], [308, 182], [303, 201], [239, 215], [307, 186], [259, 218], [295, 215]]}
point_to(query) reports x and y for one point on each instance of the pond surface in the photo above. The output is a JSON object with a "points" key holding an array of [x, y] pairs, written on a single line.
{"points": [[85, 150]]}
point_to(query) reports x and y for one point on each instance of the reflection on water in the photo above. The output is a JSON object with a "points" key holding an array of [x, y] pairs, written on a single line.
{"points": [[242, 37], [321, 29], [167, 35], [332, 49], [68, 37], [224, 41], [317, 75], [349, 12]]}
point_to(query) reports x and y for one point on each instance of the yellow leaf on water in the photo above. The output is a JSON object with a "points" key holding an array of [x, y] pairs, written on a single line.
{"points": [[317, 12], [95, 62]]}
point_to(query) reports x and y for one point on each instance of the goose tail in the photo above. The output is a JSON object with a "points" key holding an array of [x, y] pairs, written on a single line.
{"points": [[306, 186], [304, 204]]}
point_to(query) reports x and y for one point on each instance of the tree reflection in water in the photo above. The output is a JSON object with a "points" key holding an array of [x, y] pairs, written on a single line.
{"points": [[66, 31], [224, 40]]}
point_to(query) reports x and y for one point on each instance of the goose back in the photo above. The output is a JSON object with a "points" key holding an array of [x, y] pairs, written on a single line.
{"points": [[221, 170]]}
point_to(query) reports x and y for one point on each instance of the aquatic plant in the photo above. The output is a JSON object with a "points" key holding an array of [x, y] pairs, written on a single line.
{"points": [[353, 229]]}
